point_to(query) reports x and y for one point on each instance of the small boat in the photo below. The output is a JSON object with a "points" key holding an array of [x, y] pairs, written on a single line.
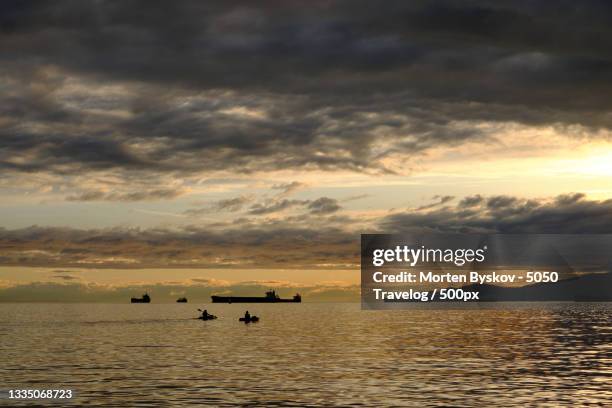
{"points": [[144, 299], [207, 317], [181, 300], [252, 319]]}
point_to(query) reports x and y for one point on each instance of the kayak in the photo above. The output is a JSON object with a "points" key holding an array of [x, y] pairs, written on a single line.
{"points": [[210, 317], [253, 319]]}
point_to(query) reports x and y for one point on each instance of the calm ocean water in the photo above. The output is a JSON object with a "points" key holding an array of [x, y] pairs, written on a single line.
{"points": [[310, 354]]}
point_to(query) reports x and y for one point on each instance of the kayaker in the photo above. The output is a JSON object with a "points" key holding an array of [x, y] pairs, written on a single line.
{"points": [[247, 315], [205, 314]]}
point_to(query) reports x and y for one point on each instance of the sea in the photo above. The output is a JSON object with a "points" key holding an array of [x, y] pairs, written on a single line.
{"points": [[309, 354]]}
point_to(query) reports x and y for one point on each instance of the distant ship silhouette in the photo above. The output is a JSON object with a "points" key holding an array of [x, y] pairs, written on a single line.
{"points": [[144, 299], [271, 297]]}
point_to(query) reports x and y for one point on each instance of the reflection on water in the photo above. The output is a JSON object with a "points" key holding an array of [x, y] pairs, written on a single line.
{"points": [[311, 354]]}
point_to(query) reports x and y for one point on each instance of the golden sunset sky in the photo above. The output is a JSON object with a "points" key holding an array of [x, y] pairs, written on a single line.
{"points": [[208, 147]]}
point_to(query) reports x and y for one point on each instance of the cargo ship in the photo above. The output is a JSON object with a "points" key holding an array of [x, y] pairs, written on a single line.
{"points": [[144, 299], [271, 297]]}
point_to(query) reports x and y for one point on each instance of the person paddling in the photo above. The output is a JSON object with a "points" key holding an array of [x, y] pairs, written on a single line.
{"points": [[247, 315], [205, 314]]}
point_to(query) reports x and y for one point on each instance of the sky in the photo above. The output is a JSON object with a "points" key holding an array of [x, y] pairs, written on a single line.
{"points": [[228, 147]]}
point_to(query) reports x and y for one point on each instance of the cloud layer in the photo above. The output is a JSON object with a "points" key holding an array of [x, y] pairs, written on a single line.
{"points": [[198, 87], [318, 238]]}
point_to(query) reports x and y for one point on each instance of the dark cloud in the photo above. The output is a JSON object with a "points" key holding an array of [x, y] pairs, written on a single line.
{"points": [[229, 204], [324, 205], [157, 194], [288, 188], [198, 86], [499, 202], [441, 200], [64, 275], [355, 197], [274, 206], [206, 45], [506, 214], [320, 206], [233, 204], [568, 199], [471, 201]]}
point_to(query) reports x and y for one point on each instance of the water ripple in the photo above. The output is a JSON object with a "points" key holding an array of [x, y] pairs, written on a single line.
{"points": [[309, 355]]}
